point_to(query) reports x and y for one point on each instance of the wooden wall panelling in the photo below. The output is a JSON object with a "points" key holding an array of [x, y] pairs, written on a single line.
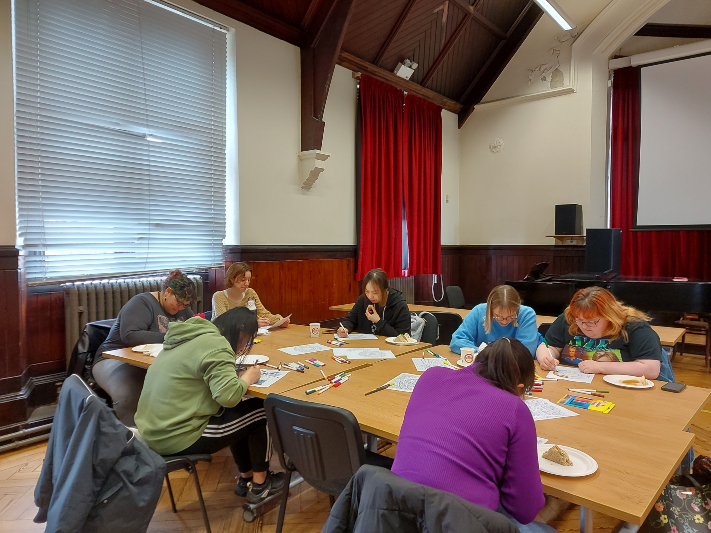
{"points": [[45, 332]]}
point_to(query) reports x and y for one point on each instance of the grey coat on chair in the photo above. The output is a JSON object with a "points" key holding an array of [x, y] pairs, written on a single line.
{"points": [[96, 476], [378, 500]]}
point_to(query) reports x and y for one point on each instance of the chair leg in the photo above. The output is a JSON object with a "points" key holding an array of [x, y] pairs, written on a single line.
{"points": [[170, 492], [194, 473], [708, 348], [683, 344], [331, 500], [284, 500]]}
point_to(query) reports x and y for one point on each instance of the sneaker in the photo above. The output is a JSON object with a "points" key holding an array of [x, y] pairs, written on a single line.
{"points": [[272, 485], [242, 487]]}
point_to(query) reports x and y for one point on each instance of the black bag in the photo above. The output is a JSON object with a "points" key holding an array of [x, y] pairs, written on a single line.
{"points": [[90, 340], [683, 507]]}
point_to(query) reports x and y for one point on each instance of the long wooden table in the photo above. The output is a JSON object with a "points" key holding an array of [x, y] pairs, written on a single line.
{"points": [[294, 335], [668, 336], [638, 445]]}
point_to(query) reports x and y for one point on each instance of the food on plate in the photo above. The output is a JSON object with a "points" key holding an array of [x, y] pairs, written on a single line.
{"points": [[557, 455], [404, 337], [635, 382]]}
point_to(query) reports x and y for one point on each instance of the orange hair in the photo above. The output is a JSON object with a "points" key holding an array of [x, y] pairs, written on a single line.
{"points": [[597, 302]]}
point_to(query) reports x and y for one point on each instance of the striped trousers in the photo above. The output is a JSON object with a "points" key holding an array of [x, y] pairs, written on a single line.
{"points": [[244, 429]]}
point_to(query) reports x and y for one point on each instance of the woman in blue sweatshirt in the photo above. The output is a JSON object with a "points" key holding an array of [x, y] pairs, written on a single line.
{"points": [[501, 316]]}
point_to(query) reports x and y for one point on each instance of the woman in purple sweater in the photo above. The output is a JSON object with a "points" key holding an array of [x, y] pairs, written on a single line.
{"points": [[469, 432]]}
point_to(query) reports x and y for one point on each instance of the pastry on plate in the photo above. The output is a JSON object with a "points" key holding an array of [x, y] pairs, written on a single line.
{"points": [[635, 382], [557, 455], [404, 337]]}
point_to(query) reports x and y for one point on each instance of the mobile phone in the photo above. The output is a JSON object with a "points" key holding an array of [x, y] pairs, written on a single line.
{"points": [[674, 387]]}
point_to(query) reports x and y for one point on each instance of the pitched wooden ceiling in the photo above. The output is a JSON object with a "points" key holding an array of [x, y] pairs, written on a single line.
{"points": [[460, 46]]}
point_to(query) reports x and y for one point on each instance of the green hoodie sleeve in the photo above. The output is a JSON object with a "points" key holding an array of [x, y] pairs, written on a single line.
{"points": [[218, 370]]}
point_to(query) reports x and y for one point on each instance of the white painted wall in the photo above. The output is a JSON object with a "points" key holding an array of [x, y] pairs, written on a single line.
{"points": [[7, 129], [450, 179]]}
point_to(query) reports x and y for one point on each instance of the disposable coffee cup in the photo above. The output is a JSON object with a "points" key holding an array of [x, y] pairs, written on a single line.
{"points": [[468, 355], [315, 329]]}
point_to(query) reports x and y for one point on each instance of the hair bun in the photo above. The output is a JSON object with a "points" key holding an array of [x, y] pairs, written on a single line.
{"points": [[173, 274]]}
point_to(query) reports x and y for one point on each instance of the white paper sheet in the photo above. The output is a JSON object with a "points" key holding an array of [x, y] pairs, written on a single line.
{"points": [[304, 349], [570, 373], [541, 440], [404, 382], [356, 337], [263, 331], [423, 364], [279, 322], [363, 353], [543, 409], [270, 377]]}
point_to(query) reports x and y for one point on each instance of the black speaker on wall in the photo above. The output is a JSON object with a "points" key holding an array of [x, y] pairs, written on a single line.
{"points": [[569, 219], [602, 250]]}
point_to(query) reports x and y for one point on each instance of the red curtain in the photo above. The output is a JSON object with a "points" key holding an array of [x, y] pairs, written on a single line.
{"points": [[645, 253], [380, 239], [422, 173]]}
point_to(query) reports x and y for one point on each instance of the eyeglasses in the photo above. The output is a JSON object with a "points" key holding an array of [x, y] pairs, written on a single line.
{"points": [[587, 323], [505, 318]]}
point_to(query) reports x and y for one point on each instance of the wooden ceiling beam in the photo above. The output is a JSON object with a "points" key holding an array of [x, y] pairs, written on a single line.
{"points": [[318, 60], [685, 31], [493, 28], [355, 64], [393, 32], [486, 77], [445, 50], [255, 18]]}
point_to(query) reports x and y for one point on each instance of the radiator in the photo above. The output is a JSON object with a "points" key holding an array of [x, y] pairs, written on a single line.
{"points": [[406, 286], [86, 301]]}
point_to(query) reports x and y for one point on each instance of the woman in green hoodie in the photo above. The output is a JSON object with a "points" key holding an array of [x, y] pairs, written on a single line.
{"points": [[191, 400]]}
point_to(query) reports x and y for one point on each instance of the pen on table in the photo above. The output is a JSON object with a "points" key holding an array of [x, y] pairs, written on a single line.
{"points": [[270, 366], [315, 389], [302, 364], [589, 390], [380, 388], [324, 375], [325, 388]]}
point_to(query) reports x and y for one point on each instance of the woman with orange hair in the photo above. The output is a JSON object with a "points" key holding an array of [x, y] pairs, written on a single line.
{"points": [[601, 335]]}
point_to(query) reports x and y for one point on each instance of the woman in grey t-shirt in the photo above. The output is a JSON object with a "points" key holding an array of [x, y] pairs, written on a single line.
{"points": [[143, 320]]}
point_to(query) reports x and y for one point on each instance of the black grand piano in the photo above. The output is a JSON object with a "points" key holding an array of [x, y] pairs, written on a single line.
{"points": [[664, 299]]}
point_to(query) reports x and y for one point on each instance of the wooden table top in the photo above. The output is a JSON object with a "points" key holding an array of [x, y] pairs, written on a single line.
{"points": [[638, 445], [668, 336], [294, 335]]}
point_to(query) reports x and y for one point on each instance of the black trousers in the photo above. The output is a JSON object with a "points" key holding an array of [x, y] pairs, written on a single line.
{"points": [[244, 429]]}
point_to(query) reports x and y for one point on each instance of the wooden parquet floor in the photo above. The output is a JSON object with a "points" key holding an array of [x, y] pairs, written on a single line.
{"points": [[307, 510]]}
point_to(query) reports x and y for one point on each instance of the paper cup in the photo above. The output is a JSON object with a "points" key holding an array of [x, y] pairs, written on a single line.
{"points": [[468, 355], [315, 328]]}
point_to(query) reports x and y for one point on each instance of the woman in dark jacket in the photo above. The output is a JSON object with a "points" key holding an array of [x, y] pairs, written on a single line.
{"points": [[379, 310]]}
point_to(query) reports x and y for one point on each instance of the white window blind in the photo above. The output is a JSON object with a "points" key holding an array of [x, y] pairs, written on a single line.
{"points": [[120, 121]]}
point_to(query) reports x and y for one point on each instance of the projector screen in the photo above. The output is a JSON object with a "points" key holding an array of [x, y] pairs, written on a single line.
{"points": [[675, 148]]}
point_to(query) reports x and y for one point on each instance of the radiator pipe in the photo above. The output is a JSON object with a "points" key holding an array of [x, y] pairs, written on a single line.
{"points": [[22, 433]]}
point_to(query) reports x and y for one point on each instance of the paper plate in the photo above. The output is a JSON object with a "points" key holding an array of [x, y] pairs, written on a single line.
{"points": [[144, 348], [392, 340], [583, 464], [618, 380], [251, 359], [463, 363]]}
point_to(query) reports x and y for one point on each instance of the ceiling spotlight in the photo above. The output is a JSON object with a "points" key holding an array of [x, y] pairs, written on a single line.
{"points": [[405, 69], [554, 10]]}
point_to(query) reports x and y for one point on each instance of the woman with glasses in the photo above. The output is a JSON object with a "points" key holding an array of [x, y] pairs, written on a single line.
{"points": [[143, 320], [192, 399], [238, 293], [501, 316], [600, 335]]}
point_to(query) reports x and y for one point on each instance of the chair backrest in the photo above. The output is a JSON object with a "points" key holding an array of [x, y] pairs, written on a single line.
{"points": [[92, 337], [448, 324], [322, 442], [430, 333], [455, 297]]}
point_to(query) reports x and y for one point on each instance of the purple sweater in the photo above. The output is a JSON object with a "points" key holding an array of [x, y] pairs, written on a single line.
{"points": [[463, 435]]}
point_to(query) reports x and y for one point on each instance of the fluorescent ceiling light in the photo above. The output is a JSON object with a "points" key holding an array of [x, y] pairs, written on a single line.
{"points": [[554, 10]]}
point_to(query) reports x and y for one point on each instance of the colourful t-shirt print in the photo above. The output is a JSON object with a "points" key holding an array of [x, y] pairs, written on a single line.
{"points": [[580, 348]]}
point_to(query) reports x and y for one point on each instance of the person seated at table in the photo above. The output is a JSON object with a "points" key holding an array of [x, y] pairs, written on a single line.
{"points": [[379, 310], [600, 335], [501, 316], [480, 439], [144, 319], [238, 293], [192, 399]]}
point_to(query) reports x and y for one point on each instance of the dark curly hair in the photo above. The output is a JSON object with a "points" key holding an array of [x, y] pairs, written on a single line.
{"points": [[182, 286]]}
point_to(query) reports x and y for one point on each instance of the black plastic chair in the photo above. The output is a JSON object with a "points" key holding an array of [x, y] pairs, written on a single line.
{"points": [[187, 462], [455, 297], [430, 332], [448, 324], [91, 338], [323, 443]]}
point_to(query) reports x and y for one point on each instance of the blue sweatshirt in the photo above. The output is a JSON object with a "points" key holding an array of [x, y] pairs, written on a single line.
{"points": [[471, 333]]}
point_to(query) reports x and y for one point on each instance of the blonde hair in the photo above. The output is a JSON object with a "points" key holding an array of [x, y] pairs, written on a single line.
{"points": [[236, 270], [599, 302], [506, 298]]}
